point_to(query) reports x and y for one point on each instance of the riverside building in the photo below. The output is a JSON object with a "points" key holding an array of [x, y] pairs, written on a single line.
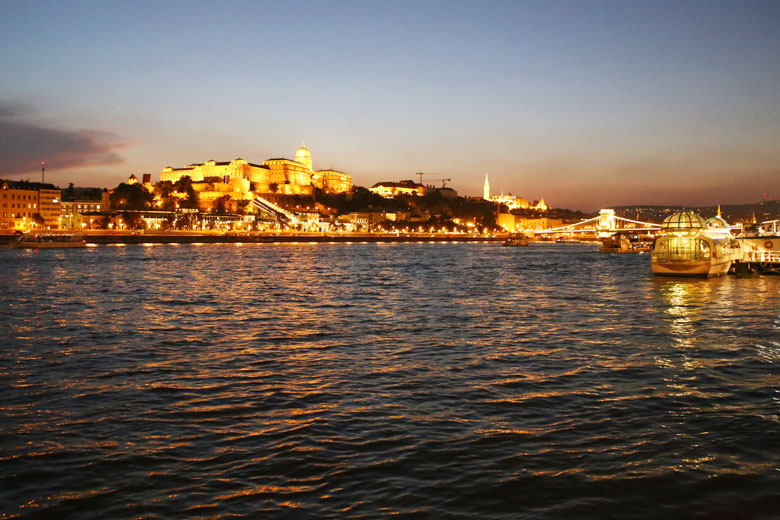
{"points": [[389, 189], [27, 205], [80, 212]]}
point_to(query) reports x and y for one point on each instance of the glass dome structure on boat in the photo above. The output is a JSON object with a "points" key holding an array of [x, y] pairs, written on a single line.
{"points": [[688, 221]]}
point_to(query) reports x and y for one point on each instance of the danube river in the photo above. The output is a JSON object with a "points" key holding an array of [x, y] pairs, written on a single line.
{"points": [[437, 380]]}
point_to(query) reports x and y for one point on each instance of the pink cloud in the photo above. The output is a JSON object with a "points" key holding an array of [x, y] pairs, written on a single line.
{"points": [[23, 145]]}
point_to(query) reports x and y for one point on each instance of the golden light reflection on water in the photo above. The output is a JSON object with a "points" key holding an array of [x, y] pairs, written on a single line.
{"points": [[686, 303]]}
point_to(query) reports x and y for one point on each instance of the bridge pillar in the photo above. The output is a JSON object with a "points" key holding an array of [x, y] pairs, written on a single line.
{"points": [[607, 223], [607, 219]]}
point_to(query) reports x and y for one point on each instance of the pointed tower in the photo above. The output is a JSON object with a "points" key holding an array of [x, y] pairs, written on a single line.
{"points": [[486, 192]]}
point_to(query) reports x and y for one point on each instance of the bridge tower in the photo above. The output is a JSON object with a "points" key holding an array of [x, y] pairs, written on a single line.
{"points": [[607, 222]]}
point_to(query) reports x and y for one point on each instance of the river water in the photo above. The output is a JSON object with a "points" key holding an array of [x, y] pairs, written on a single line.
{"points": [[440, 380]]}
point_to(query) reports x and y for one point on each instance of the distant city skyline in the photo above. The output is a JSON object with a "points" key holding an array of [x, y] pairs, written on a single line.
{"points": [[587, 104]]}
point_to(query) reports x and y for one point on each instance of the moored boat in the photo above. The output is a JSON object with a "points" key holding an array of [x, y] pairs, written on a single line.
{"points": [[761, 247], [48, 240], [691, 246], [517, 240], [621, 243]]}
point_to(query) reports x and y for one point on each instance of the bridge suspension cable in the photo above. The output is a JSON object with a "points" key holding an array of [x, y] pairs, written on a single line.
{"points": [[607, 224]]}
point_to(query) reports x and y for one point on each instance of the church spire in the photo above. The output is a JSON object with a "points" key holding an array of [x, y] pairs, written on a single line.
{"points": [[486, 192]]}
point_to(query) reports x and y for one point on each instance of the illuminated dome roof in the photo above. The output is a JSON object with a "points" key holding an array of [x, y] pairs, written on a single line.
{"points": [[683, 220], [302, 153], [717, 223]]}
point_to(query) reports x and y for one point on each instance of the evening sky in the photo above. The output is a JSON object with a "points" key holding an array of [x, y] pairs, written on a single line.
{"points": [[587, 104]]}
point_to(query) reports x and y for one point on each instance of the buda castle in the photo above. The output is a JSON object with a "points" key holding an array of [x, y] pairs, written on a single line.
{"points": [[282, 176]]}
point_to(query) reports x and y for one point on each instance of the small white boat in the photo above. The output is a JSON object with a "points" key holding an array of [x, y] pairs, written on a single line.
{"points": [[691, 246], [48, 240]]}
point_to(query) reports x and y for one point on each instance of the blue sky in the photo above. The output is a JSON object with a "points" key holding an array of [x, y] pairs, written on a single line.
{"points": [[587, 104]]}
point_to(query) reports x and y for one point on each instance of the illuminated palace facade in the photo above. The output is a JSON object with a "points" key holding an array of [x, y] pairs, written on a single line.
{"points": [[282, 176]]}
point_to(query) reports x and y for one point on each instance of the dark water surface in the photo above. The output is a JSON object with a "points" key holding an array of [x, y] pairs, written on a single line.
{"points": [[373, 380]]}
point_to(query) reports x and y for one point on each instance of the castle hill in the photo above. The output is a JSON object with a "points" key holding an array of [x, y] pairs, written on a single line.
{"points": [[287, 199]]}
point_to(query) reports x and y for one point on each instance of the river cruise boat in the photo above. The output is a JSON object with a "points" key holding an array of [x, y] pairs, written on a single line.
{"points": [[517, 240], [761, 247], [622, 243], [691, 246], [48, 240]]}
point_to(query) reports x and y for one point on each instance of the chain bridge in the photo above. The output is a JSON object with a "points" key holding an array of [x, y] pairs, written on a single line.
{"points": [[604, 225]]}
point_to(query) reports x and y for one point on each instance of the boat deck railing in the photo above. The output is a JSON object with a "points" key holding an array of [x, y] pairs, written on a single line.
{"points": [[768, 257]]}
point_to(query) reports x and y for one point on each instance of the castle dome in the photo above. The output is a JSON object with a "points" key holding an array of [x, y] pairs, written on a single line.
{"points": [[302, 153], [303, 156]]}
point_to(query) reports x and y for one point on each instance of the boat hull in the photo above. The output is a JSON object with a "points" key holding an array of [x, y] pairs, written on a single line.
{"points": [[48, 241], [47, 245], [701, 269]]}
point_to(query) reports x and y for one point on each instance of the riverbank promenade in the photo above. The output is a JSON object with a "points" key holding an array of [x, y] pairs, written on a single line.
{"points": [[206, 237]]}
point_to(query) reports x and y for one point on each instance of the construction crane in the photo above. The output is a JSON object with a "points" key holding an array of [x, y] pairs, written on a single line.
{"points": [[443, 181]]}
